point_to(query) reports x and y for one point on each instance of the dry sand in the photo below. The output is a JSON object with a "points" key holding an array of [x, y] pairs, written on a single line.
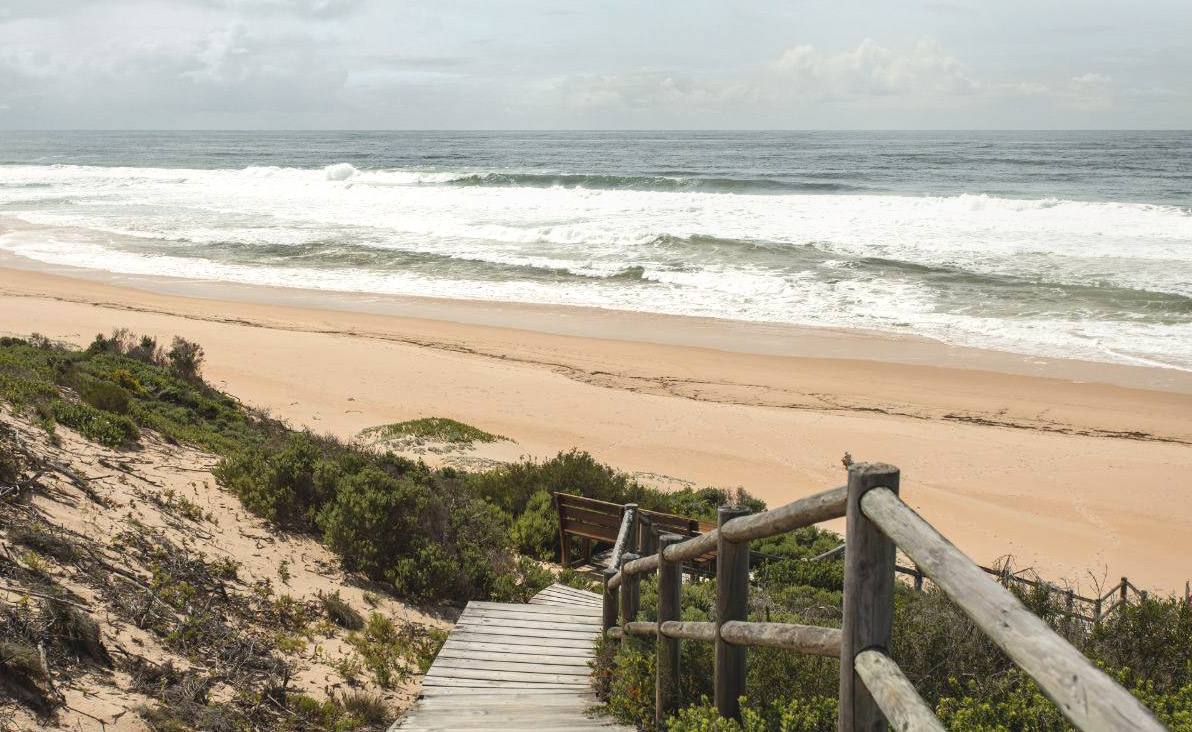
{"points": [[1081, 470]]}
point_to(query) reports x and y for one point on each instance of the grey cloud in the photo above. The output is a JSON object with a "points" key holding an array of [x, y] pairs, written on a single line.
{"points": [[311, 8]]}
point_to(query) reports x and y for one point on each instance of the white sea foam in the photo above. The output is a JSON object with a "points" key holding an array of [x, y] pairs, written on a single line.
{"points": [[790, 258]]}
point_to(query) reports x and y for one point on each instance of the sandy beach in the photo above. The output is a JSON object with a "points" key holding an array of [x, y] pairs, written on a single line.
{"points": [[1078, 469]]}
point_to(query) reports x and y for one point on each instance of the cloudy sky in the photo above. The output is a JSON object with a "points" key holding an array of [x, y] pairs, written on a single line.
{"points": [[529, 64]]}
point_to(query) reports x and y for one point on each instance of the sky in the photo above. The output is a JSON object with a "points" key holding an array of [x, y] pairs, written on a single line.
{"points": [[598, 64]]}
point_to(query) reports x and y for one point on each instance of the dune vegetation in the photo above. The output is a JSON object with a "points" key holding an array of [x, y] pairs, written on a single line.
{"points": [[441, 535]]}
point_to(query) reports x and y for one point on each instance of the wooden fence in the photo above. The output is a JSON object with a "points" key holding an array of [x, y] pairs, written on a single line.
{"points": [[873, 690]]}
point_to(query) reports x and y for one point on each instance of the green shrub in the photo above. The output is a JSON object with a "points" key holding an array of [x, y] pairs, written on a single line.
{"points": [[125, 379], [106, 396], [186, 358], [110, 430], [528, 579], [536, 531], [287, 485]]}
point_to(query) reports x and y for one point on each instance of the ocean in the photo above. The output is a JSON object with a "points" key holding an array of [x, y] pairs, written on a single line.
{"points": [[1053, 244]]}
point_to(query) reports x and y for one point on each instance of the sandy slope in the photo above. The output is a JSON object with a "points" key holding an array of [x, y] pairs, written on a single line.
{"points": [[142, 488], [1072, 467]]}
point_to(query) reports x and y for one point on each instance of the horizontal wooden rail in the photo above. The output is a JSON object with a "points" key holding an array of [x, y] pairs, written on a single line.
{"points": [[695, 547], [823, 506], [689, 630], [894, 693], [810, 639], [796, 515], [1088, 697]]}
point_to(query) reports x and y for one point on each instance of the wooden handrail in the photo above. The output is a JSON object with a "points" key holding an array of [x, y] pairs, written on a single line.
{"points": [[813, 509], [872, 685], [810, 639], [894, 693], [1087, 696]]}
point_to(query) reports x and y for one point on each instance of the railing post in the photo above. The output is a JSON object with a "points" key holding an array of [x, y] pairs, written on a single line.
{"points": [[610, 601], [649, 542], [868, 596], [732, 603], [670, 587], [634, 519], [1124, 587], [630, 592], [564, 554]]}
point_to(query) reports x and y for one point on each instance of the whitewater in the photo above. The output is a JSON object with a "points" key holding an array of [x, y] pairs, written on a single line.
{"points": [[970, 263]]}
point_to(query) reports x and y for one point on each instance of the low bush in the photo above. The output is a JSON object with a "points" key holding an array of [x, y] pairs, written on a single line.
{"points": [[371, 709], [340, 612], [107, 396], [109, 430]]}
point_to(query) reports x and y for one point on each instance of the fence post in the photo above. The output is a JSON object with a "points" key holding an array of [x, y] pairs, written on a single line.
{"points": [[1097, 611], [918, 579], [670, 586], [732, 603], [634, 520], [610, 601], [630, 591], [1124, 588], [868, 596], [564, 554]]}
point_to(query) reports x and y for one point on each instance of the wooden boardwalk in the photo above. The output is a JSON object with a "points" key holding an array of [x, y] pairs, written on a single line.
{"points": [[509, 666]]}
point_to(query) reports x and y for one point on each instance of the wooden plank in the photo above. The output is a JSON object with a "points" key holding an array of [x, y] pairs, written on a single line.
{"points": [[533, 667], [570, 499], [483, 635], [526, 658], [576, 596], [895, 695], [516, 724], [588, 531], [594, 517], [573, 590], [572, 656], [525, 625], [544, 609], [560, 599], [510, 727], [463, 677], [511, 620], [490, 699], [532, 613], [456, 694], [1088, 697], [503, 719]]}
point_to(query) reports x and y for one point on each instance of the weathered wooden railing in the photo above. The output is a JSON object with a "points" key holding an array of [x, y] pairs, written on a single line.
{"points": [[873, 689]]}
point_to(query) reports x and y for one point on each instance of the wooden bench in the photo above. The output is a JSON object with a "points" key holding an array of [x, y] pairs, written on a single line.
{"points": [[594, 522]]}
